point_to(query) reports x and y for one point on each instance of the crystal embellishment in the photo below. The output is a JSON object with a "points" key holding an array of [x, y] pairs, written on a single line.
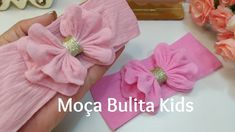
{"points": [[72, 45], [160, 75]]}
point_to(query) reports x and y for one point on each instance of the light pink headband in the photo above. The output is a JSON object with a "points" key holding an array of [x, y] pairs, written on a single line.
{"points": [[171, 69], [55, 59]]}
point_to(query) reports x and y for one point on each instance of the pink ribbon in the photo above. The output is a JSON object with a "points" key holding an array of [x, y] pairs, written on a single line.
{"points": [[50, 64], [183, 62]]}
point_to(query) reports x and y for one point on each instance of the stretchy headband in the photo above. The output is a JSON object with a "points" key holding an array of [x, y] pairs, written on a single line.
{"points": [[55, 59], [169, 70]]}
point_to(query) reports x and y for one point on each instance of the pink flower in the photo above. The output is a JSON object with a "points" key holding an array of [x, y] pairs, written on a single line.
{"points": [[220, 17], [225, 35], [200, 10], [227, 2], [231, 24], [226, 48]]}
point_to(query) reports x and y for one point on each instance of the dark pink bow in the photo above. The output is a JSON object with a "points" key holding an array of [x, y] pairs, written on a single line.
{"points": [[138, 80]]}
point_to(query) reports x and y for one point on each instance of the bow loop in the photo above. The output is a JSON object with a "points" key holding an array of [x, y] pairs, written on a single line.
{"points": [[180, 70], [49, 63], [172, 68], [90, 30], [138, 82]]}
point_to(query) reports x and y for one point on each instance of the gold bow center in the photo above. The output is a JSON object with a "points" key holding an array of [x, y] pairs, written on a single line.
{"points": [[72, 45], [160, 75]]}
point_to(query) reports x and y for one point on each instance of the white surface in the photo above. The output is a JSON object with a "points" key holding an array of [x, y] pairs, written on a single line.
{"points": [[213, 97]]}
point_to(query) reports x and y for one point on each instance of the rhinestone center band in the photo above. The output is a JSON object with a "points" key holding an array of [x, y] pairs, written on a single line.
{"points": [[160, 75], [72, 45]]}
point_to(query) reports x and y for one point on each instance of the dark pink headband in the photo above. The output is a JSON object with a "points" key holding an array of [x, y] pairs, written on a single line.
{"points": [[169, 70]]}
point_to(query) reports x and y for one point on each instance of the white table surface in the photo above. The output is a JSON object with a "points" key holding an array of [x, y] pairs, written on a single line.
{"points": [[213, 97]]}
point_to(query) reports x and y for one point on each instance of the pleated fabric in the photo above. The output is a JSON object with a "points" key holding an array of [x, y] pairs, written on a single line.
{"points": [[20, 97]]}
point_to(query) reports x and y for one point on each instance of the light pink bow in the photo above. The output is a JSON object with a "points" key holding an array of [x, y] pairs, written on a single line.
{"points": [[50, 64], [139, 82]]}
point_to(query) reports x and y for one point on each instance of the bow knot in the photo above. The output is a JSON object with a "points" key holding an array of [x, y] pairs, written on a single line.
{"points": [[72, 45], [160, 75]]}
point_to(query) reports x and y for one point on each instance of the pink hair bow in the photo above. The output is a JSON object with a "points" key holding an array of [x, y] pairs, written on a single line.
{"points": [[51, 61], [171, 69]]}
